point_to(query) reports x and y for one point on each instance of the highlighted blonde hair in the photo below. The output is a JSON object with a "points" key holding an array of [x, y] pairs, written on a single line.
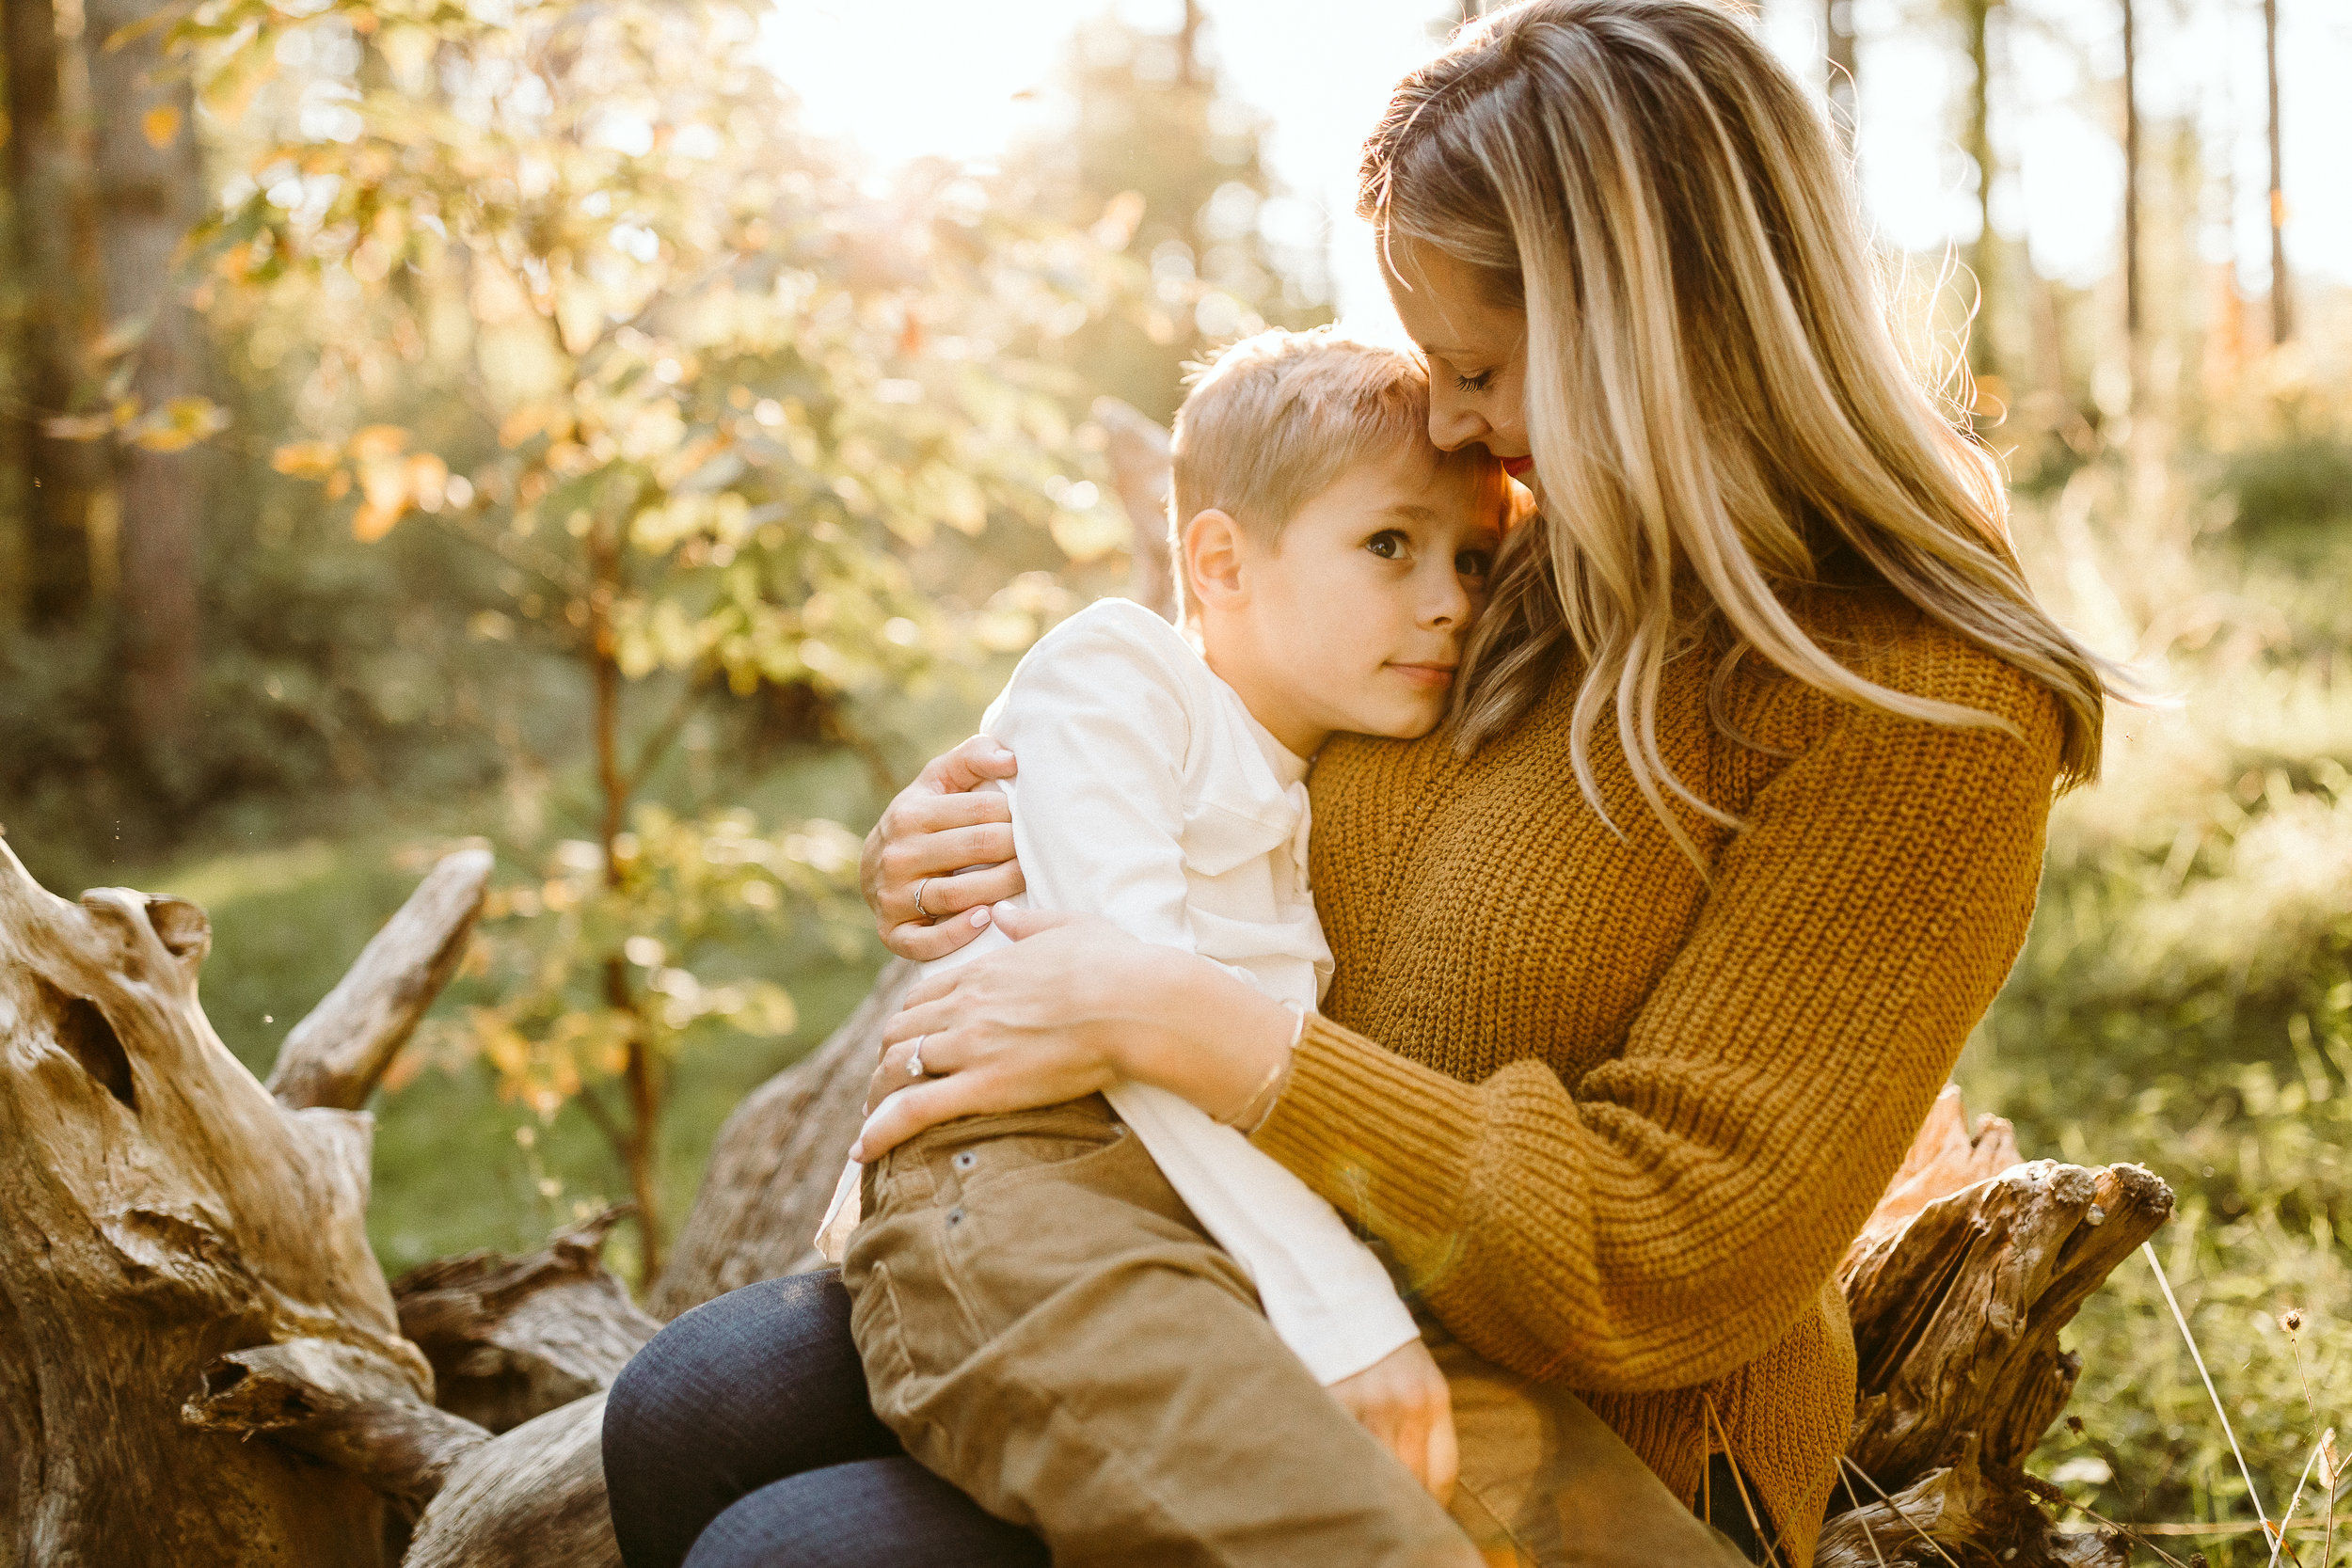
{"points": [[1273, 421], [1718, 410]]}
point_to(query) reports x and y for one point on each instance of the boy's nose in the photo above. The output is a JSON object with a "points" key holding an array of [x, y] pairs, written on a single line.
{"points": [[1446, 603]]}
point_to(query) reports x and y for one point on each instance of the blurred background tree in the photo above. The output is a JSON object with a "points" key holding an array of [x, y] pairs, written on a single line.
{"points": [[1164, 161], [422, 422]]}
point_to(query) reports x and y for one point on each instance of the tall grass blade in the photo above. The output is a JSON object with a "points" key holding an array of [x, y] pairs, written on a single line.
{"points": [[2270, 1531], [2325, 1440]]}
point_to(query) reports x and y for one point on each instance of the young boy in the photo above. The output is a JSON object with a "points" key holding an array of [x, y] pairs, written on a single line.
{"points": [[1016, 1278]]}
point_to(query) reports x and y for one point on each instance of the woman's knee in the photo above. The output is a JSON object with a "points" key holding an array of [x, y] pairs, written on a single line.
{"points": [[871, 1513], [730, 1364]]}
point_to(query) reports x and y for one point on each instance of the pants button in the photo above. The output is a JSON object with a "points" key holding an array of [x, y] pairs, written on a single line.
{"points": [[965, 1161]]}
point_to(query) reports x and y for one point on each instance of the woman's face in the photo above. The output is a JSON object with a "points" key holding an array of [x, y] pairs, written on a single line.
{"points": [[1477, 353]]}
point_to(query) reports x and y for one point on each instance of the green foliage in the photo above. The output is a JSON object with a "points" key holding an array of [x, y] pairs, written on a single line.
{"points": [[555, 950], [2293, 486]]}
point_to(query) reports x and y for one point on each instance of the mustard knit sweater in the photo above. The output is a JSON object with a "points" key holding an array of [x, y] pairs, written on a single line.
{"points": [[1620, 1122]]}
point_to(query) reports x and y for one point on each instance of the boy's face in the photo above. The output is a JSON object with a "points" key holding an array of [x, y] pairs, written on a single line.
{"points": [[1354, 620]]}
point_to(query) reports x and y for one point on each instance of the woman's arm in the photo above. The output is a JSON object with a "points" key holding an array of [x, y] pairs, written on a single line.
{"points": [[1072, 1006], [1673, 1217]]}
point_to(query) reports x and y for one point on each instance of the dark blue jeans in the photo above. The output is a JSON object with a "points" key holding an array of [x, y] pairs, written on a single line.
{"points": [[741, 1438]]}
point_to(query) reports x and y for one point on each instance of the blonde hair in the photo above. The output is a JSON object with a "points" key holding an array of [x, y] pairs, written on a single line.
{"points": [[1274, 420], [1718, 410]]}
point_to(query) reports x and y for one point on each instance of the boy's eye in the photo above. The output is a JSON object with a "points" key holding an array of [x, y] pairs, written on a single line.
{"points": [[1389, 544], [1478, 382], [1474, 563]]}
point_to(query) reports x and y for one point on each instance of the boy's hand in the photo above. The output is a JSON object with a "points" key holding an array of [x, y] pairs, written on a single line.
{"points": [[1403, 1401]]}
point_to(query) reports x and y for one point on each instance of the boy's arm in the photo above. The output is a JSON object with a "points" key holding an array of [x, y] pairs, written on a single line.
{"points": [[1101, 721]]}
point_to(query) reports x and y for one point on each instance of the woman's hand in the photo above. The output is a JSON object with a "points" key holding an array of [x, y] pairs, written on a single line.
{"points": [[938, 825], [1403, 1401], [1072, 1006]]}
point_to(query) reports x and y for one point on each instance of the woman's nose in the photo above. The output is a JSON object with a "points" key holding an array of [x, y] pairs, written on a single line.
{"points": [[1454, 421]]}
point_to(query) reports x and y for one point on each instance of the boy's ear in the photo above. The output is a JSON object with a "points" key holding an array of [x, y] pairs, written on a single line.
{"points": [[1213, 547]]}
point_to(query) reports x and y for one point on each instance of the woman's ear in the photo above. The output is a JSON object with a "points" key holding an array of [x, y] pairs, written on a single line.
{"points": [[1213, 547]]}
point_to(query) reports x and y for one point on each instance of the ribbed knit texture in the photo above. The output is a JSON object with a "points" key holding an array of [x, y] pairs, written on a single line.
{"points": [[1620, 1121]]}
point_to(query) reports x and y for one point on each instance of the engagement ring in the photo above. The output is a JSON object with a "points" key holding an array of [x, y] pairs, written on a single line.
{"points": [[915, 1058]]}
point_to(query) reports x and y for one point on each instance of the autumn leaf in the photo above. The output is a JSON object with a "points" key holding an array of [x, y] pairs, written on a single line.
{"points": [[378, 441], [425, 478], [523, 423], [176, 425], [307, 459], [161, 124], [373, 522]]}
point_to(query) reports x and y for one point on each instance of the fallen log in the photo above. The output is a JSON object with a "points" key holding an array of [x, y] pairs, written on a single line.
{"points": [[511, 1338], [339, 1405], [1956, 1513], [776, 1161], [336, 1053], [533, 1498], [1956, 1289]]}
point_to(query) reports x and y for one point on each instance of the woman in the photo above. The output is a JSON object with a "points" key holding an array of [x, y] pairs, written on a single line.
{"points": [[1650, 963]]}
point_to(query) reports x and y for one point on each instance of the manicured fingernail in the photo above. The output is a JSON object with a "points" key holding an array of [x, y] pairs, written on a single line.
{"points": [[981, 916]]}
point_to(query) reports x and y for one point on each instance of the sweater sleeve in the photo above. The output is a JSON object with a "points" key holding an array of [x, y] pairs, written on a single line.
{"points": [[1671, 1217]]}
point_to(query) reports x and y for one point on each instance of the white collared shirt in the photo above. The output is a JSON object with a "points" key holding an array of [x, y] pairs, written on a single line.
{"points": [[1149, 794]]}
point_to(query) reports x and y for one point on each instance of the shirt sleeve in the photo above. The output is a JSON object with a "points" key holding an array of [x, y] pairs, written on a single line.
{"points": [[1101, 723], [1672, 1216]]}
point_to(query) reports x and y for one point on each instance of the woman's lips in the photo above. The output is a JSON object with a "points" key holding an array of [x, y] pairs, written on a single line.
{"points": [[1435, 676], [1517, 467]]}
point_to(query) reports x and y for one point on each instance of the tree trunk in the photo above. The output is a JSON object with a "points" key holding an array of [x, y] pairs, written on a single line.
{"points": [[1984, 256], [2130, 198], [51, 586], [1139, 451], [1844, 84], [186, 1268], [2281, 292], [147, 192]]}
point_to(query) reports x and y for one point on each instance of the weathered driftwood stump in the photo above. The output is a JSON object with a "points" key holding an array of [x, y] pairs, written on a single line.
{"points": [[184, 1268], [1958, 1288]]}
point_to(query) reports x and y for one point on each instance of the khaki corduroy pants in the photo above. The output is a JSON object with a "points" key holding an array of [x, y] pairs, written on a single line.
{"points": [[1044, 1324]]}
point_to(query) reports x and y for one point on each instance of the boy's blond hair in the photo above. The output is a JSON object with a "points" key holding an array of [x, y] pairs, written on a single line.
{"points": [[1273, 421]]}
